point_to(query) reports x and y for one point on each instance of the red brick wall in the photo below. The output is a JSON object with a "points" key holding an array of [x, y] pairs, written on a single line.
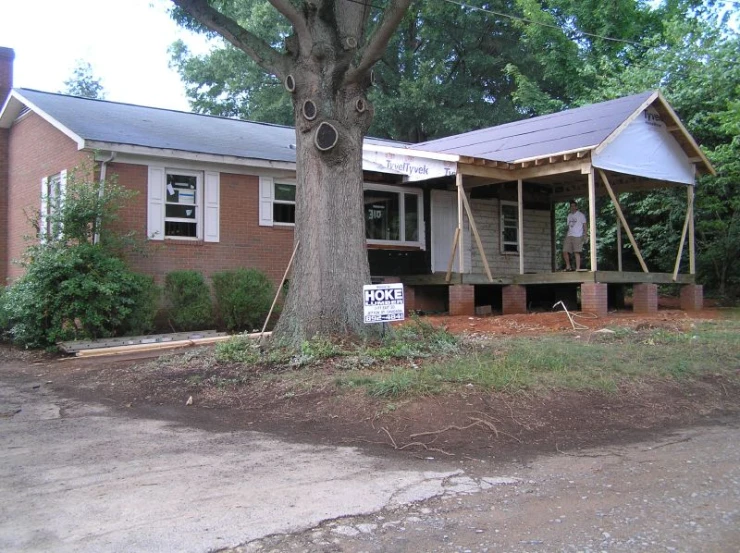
{"points": [[513, 299], [645, 298], [692, 297], [594, 298], [35, 150], [462, 299], [243, 242], [3, 204]]}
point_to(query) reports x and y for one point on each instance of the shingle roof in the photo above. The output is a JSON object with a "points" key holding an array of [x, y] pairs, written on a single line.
{"points": [[112, 122], [560, 132]]}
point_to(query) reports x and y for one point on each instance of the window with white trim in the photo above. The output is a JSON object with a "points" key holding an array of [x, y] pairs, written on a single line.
{"points": [[283, 205], [393, 215], [509, 217], [183, 204], [52, 197]]}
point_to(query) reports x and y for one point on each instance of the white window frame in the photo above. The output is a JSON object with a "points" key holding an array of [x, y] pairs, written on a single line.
{"points": [[198, 206], [281, 202], [53, 190], [267, 201], [207, 199], [401, 190], [504, 226]]}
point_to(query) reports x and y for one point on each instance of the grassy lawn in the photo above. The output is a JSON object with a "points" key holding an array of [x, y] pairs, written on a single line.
{"points": [[418, 360]]}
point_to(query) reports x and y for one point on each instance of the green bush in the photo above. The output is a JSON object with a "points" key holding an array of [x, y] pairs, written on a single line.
{"points": [[243, 298], [188, 301], [73, 292], [4, 316]]}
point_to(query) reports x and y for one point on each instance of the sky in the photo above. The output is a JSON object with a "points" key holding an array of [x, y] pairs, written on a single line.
{"points": [[125, 42]]}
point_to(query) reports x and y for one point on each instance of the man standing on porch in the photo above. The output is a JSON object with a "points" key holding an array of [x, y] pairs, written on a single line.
{"points": [[574, 239]]}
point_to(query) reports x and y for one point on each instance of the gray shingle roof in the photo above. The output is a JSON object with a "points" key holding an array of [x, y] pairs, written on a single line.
{"points": [[111, 122], [541, 136]]}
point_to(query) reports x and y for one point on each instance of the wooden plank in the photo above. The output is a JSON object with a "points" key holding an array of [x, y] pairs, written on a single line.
{"points": [[474, 228], [460, 238], [692, 243], [455, 240], [279, 289], [592, 218], [619, 245], [520, 222], [623, 220], [689, 208], [81, 345], [136, 348]]}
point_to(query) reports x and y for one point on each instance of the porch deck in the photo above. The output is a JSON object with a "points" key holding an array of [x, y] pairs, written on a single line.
{"points": [[549, 277]]}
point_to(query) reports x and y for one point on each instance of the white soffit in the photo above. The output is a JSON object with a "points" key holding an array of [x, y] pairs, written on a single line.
{"points": [[645, 148]]}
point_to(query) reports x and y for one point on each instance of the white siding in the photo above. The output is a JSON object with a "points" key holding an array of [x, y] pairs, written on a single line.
{"points": [[537, 242]]}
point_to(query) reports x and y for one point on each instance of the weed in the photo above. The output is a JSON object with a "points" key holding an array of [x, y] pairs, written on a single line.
{"points": [[239, 349]]}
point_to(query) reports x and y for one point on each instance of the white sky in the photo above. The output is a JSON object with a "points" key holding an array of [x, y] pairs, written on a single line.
{"points": [[125, 42]]}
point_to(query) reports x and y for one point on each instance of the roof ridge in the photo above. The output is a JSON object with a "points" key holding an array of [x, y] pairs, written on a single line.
{"points": [[99, 100]]}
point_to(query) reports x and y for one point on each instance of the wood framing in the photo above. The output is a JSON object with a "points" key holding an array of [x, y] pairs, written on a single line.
{"points": [[618, 209]]}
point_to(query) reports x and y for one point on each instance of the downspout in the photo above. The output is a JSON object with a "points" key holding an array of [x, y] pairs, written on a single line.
{"points": [[101, 191]]}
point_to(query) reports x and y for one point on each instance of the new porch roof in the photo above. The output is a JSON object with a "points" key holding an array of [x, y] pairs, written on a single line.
{"points": [[560, 136]]}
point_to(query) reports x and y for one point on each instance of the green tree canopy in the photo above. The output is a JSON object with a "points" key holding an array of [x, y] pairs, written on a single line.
{"points": [[84, 83]]}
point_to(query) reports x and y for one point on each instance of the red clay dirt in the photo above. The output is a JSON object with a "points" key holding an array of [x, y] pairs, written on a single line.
{"points": [[466, 424]]}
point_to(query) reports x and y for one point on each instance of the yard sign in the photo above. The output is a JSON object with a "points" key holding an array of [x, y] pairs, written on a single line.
{"points": [[383, 302]]}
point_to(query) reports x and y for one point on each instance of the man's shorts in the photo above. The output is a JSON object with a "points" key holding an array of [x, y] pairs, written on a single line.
{"points": [[573, 244]]}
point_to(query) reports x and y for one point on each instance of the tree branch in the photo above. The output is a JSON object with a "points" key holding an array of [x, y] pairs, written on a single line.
{"points": [[261, 52], [377, 44], [297, 20]]}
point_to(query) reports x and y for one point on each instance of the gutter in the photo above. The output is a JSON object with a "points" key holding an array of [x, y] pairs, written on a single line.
{"points": [[101, 190]]}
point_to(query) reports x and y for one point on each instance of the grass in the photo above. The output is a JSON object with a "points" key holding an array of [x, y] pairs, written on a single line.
{"points": [[567, 362], [418, 360]]}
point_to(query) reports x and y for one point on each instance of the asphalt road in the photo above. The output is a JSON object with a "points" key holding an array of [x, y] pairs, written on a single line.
{"points": [[78, 477]]}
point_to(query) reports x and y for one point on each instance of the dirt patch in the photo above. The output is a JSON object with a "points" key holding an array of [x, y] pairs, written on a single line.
{"points": [[466, 424]]}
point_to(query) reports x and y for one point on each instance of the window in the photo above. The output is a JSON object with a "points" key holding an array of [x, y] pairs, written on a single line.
{"points": [[392, 215], [509, 227], [52, 196], [283, 207], [183, 204], [277, 202]]}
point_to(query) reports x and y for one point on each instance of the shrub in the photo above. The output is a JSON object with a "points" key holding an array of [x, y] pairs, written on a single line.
{"points": [[188, 301], [4, 316], [243, 298], [72, 292]]}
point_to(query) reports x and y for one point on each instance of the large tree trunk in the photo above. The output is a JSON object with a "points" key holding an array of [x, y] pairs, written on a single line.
{"points": [[327, 67], [331, 265]]}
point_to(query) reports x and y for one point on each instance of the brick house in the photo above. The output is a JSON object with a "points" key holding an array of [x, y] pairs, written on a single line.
{"points": [[462, 221]]}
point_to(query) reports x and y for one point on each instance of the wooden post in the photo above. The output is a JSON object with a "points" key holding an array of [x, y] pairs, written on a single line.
{"points": [[461, 243], [520, 224], [477, 237], [277, 294], [619, 245], [689, 209], [592, 216], [448, 276], [624, 221], [692, 243]]}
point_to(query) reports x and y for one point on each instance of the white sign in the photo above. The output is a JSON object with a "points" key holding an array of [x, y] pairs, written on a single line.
{"points": [[383, 302]]}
